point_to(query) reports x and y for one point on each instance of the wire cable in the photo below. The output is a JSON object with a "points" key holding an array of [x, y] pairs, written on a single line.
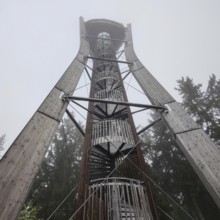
{"points": [[141, 92], [151, 180], [166, 194], [129, 83], [79, 88], [165, 212], [78, 112], [55, 210], [116, 167]]}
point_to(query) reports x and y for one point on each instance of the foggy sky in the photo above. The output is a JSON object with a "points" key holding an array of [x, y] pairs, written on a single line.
{"points": [[39, 39]]}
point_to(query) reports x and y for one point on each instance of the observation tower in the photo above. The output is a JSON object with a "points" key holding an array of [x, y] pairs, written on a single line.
{"points": [[113, 183], [112, 170]]}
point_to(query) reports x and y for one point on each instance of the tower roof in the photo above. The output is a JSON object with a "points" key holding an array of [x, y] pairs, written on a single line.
{"points": [[115, 29]]}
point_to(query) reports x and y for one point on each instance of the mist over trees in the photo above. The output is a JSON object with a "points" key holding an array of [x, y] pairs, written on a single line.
{"points": [[57, 177], [169, 167], [59, 172], [204, 106]]}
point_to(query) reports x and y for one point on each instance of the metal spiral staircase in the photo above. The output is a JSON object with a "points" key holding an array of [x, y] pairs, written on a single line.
{"points": [[112, 197], [112, 168]]}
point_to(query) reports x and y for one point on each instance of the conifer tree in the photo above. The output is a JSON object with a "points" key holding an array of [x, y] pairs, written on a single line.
{"points": [[58, 176], [169, 167]]}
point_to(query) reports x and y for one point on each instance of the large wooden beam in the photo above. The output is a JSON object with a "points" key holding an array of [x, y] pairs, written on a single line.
{"points": [[196, 145], [21, 162]]}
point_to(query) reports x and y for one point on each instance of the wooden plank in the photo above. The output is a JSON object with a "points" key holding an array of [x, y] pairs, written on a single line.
{"points": [[197, 146], [179, 120], [21, 162], [204, 157], [19, 166], [53, 105], [68, 81]]}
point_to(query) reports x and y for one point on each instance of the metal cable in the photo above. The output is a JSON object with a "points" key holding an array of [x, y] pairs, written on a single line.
{"points": [[166, 194], [164, 212], [79, 88], [128, 84], [141, 92], [116, 167], [62, 202], [135, 88], [65, 140], [151, 180], [125, 157], [77, 111]]}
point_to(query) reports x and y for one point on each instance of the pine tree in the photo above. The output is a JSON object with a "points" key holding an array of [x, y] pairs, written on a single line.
{"points": [[58, 175], [169, 167], [59, 171], [203, 106], [29, 212]]}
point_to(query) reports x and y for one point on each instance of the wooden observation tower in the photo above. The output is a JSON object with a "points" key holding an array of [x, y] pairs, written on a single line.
{"points": [[113, 184]]}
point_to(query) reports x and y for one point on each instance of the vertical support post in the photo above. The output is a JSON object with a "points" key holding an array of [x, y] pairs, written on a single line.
{"points": [[140, 160], [20, 164], [84, 181], [111, 133]]}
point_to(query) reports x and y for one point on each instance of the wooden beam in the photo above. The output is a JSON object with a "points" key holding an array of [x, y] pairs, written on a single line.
{"points": [[199, 149], [20, 164]]}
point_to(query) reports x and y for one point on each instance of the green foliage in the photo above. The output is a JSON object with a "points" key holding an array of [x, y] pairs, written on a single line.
{"points": [[59, 171], [203, 106], [169, 167], [29, 212], [58, 175]]}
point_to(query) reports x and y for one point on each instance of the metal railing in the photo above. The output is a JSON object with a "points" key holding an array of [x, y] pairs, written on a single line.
{"points": [[105, 75], [112, 130], [115, 95], [117, 199], [106, 65]]}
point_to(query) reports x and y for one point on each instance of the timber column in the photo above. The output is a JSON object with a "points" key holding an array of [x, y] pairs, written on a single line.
{"points": [[20, 164], [198, 148], [112, 185]]}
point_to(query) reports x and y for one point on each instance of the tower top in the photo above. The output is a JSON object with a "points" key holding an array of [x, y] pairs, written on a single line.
{"points": [[114, 29]]}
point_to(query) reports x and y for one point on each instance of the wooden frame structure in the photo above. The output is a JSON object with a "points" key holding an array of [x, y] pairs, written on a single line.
{"points": [[21, 162]]}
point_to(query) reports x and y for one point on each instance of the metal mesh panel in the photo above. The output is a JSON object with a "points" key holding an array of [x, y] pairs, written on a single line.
{"points": [[112, 131], [105, 75], [103, 65], [117, 199], [110, 95]]}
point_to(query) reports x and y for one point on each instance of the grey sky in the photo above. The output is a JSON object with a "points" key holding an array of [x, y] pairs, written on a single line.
{"points": [[39, 39]]}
